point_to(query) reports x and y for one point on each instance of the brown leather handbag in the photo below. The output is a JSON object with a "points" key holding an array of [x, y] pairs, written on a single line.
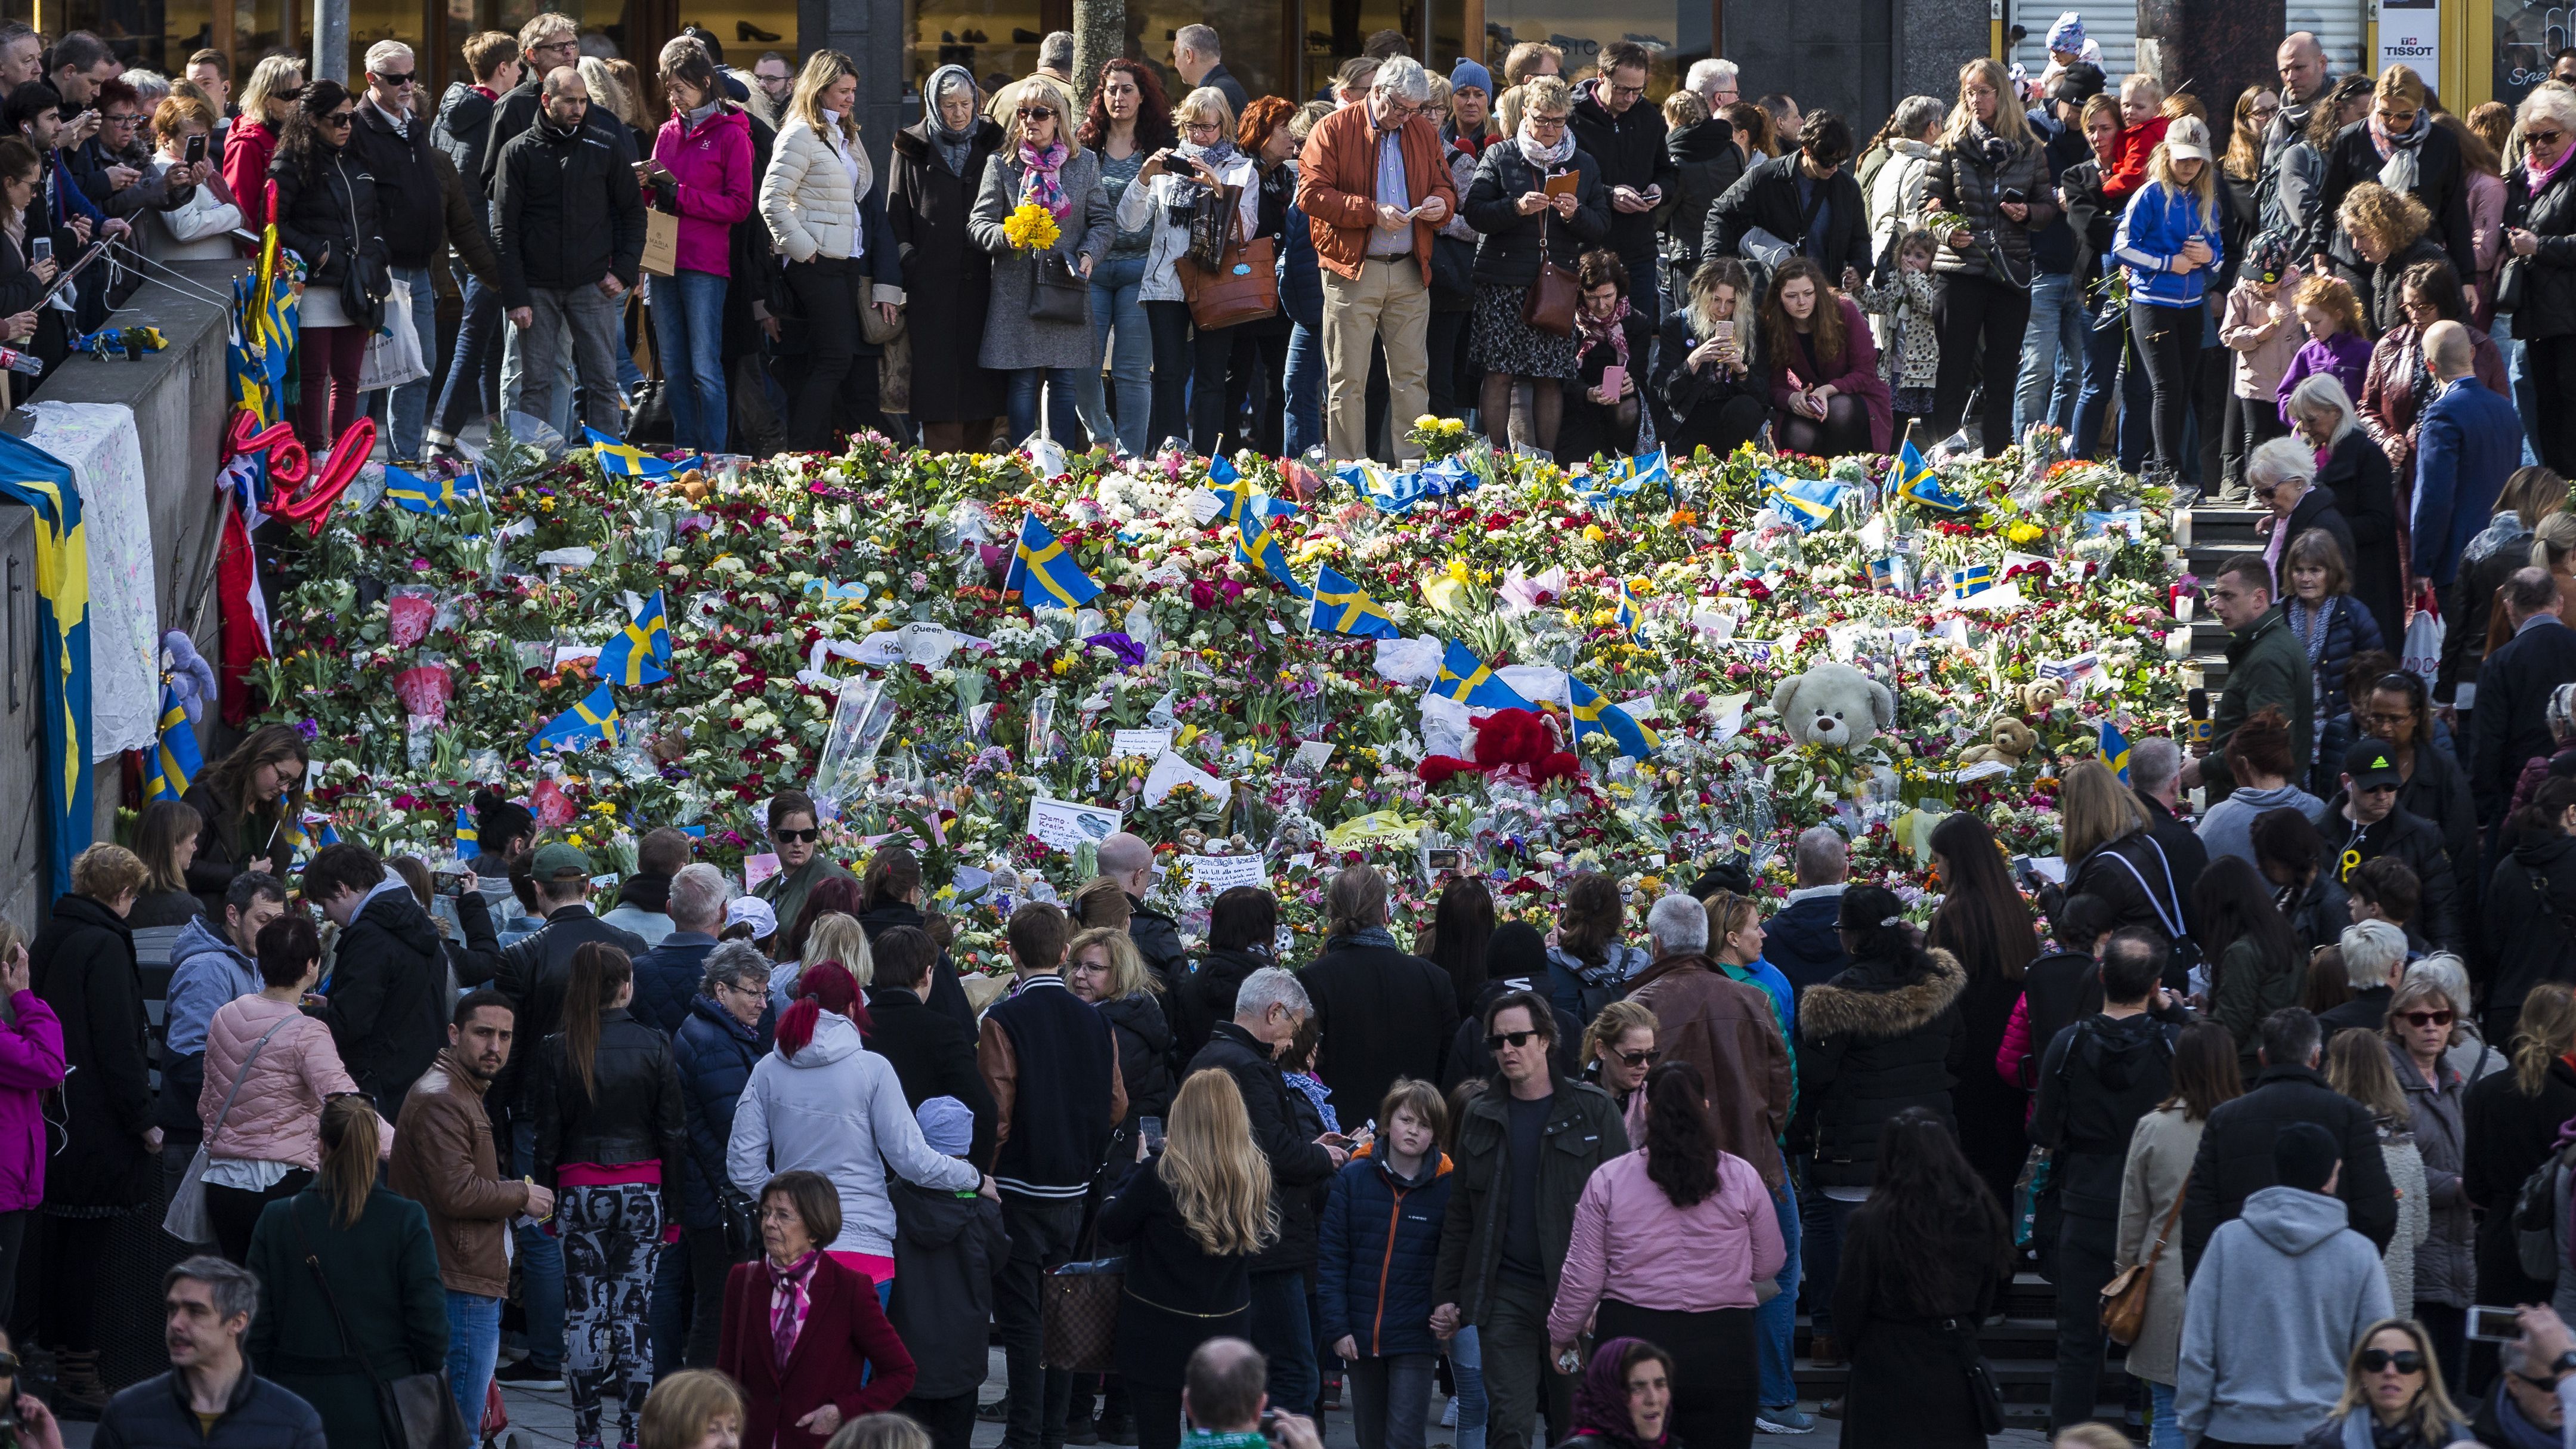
{"points": [[1549, 303], [1078, 1315], [2124, 1299], [1243, 288]]}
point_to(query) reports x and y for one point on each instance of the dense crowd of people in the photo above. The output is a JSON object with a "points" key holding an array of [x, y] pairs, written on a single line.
{"points": [[1150, 254]]}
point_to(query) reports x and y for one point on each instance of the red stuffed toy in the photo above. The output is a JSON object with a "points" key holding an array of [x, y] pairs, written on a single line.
{"points": [[1516, 742]]}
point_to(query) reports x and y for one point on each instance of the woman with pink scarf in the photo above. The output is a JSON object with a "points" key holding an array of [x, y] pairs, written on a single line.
{"points": [[2540, 241], [1038, 163]]}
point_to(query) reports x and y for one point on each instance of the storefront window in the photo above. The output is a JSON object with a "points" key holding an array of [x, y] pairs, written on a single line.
{"points": [[1249, 31], [1337, 30], [2526, 36], [996, 40], [154, 35], [1675, 32]]}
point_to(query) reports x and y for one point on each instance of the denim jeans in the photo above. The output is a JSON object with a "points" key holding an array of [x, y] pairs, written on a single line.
{"points": [[688, 322], [541, 1268], [473, 1348], [2162, 1431], [1305, 389], [408, 405], [1281, 1331], [1064, 384], [1822, 1252], [2051, 352], [2103, 379], [2524, 396], [668, 1312], [1775, 1323], [473, 387], [1467, 1369], [1391, 1400], [1127, 339]]}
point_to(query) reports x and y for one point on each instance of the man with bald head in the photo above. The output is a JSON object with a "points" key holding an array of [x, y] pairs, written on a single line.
{"points": [[568, 223], [2281, 196], [1801, 939], [1225, 1392], [1128, 860]]}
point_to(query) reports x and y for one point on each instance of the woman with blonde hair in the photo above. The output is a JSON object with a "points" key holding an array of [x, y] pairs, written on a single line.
{"points": [[2392, 1394], [1103, 967], [2168, 239], [1618, 1051], [826, 208], [1040, 165], [2421, 1014], [1191, 1216], [696, 1409], [610, 92], [2108, 852], [2390, 232], [1983, 270], [2356, 1064], [881, 1431], [2400, 148], [1169, 191], [266, 100], [2510, 1123]]}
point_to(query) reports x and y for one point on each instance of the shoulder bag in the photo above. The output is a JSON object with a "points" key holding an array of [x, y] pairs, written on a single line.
{"points": [[2124, 1299], [1057, 293], [1983, 1391], [1549, 303], [416, 1411], [1244, 287], [186, 1220], [1078, 1310]]}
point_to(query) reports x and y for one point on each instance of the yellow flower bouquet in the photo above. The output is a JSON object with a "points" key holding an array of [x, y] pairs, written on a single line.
{"points": [[1031, 228]]}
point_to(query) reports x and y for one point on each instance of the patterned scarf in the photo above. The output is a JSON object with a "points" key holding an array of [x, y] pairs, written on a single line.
{"points": [[2399, 158], [1218, 156], [1540, 154], [1593, 331], [788, 1289], [1043, 185]]}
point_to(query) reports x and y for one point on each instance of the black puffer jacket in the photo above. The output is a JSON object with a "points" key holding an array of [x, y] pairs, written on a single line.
{"points": [[1631, 150], [1704, 406], [565, 212], [2235, 1159], [947, 994], [2549, 274], [1158, 940], [1766, 196], [1144, 1052], [2413, 839], [633, 1112], [1297, 1161], [1963, 180], [1205, 996], [1879, 1038], [2441, 183], [2530, 919], [2115, 873], [408, 198], [330, 215], [2097, 1078], [1706, 161], [463, 125], [82, 965], [388, 997], [1508, 244]]}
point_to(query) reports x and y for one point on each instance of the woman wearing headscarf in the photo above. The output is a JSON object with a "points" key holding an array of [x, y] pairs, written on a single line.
{"points": [[937, 166], [1626, 1398]]}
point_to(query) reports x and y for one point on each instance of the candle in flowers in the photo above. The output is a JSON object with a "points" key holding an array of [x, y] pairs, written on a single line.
{"points": [[2186, 605], [2182, 528], [2178, 644]]}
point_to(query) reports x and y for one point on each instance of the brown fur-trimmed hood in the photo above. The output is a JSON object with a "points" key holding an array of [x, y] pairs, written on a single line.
{"points": [[1860, 1002]]}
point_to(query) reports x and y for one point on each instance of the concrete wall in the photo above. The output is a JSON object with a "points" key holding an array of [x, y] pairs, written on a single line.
{"points": [[181, 402], [1856, 58]]}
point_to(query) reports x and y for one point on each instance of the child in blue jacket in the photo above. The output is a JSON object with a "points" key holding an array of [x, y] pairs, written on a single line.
{"points": [[2168, 241], [1377, 1247]]}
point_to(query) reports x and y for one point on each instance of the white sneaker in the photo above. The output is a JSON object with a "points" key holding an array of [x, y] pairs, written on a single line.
{"points": [[1449, 1415]]}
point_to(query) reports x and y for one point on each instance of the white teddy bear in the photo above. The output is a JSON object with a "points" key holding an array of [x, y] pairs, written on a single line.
{"points": [[1834, 704]]}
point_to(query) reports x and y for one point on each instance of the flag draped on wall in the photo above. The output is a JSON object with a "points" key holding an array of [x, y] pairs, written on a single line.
{"points": [[43, 483]]}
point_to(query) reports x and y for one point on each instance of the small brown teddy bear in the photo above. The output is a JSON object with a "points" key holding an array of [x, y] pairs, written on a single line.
{"points": [[2009, 742], [2039, 696]]}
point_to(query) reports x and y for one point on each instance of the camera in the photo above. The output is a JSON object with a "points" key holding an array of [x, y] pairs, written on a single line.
{"points": [[448, 882]]}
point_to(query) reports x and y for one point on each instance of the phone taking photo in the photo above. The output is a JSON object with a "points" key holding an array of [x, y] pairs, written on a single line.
{"points": [[196, 149]]}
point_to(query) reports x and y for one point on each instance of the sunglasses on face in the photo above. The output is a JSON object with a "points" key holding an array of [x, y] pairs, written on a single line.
{"points": [[339, 120], [1513, 1039], [2380, 1361], [394, 81], [1037, 113], [2426, 1018], [796, 837], [1637, 1058], [2543, 138]]}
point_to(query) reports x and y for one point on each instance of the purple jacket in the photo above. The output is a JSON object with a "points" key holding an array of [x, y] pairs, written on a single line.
{"points": [[711, 186], [2346, 355], [31, 1061]]}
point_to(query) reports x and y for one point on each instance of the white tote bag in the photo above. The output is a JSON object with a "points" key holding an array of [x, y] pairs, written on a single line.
{"points": [[393, 355], [186, 1220], [2424, 634]]}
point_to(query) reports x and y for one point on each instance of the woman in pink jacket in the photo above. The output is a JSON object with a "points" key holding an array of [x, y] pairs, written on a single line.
{"points": [[701, 173], [31, 1061], [270, 1141], [1671, 1244]]}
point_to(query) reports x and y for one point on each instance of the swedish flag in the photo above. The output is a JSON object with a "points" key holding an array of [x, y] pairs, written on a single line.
{"points": [[618, 459], [469, 836], [1345, 608], [594, 718], [1044, 574], [1255, 543], [175, 760], [42, 483], [1391, 492], [416, 494], [301, 842], [639, 651], [1642, 468], [1806, 502], [1627, 615], [1595, 714], [1471, 681], [1914, 480], [2115, 750], [1972, 580]]}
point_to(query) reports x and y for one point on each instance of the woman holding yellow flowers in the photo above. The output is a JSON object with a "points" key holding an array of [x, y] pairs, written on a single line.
{"points": [[1042, 195]]}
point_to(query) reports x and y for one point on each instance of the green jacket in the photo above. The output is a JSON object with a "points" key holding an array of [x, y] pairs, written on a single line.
{"points": [[1583, 1131], [383, 1270], [2265, 666], [787, 890]]}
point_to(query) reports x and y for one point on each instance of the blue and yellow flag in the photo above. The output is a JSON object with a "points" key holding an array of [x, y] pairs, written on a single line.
{"points": [[1255, 543], [1975, 579], [1627, 616], [1471, 681], [1391, 492], [410, 491], [617, 459], [1642, 468], [1345, 608], [175, 760], [594, 718], [1237, 499], [1044, 575], [640, 650], [1595, 714], [469, 836], [1913, 479], [2115, 750], [42, 483], [1806, 502], [301, 841]]}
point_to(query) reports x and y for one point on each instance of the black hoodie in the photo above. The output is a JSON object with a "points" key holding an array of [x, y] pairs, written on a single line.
{"points": [[1706, 161], [2531, 919], [388, 997], [1629, 147], [2096, 1080], [947, 1246]]}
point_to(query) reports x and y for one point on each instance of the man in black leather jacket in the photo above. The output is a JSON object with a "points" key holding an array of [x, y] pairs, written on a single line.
{"points": [[2235, 1159]]}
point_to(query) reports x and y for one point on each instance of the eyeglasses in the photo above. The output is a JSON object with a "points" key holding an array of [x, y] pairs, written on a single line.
{"points": [[1195, 127], [1513, 1039], [2543, 138], [393, 81], [1631, 92], [339, 120], [2426, 1018], [113, 119], [1402, 111], [2380, 1361], [1547, 123], [1037, 113], [796, 837], [1640, 1058]]}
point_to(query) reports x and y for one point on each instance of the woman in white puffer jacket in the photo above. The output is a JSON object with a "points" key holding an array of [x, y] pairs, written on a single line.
{"points": [[1166, 192], [825, 206]]}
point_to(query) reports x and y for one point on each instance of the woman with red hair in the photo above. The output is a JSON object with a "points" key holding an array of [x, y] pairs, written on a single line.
{"points": [[822, 1103]]}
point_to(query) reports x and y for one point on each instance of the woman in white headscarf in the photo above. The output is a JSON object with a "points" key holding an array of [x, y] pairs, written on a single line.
{"points": [[937, 164]]}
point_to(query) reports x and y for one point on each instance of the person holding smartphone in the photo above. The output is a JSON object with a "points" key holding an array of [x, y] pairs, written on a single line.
{"points": [[200, 227], [1203, 169], [1702, 389], [1603, 395]]}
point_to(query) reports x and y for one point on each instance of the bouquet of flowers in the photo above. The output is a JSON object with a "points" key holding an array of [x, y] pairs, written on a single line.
{"points": [[1031, 227]]}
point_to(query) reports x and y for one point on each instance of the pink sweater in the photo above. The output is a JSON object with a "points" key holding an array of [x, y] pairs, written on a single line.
{"points": [[1632, 1244], [2263, 347], [278, 1117]]}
